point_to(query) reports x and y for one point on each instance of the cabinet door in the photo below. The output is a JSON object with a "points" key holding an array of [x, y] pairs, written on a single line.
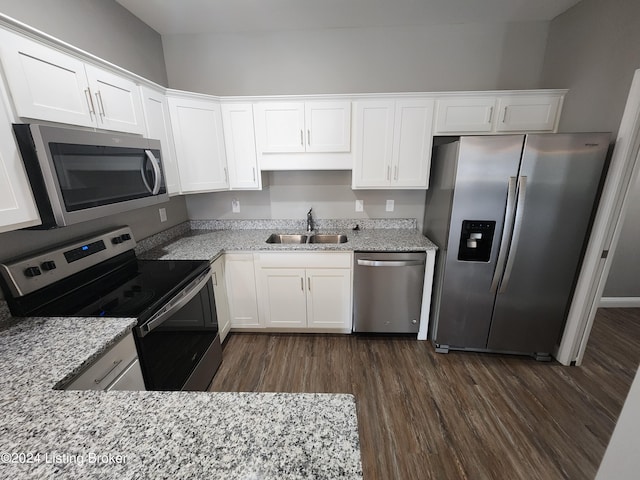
{"points": [[283, 297], [241, 290], [279, 127], [240, 145], [117, 101], [465, 114], [220, 296], [45, 83], [328, 126], [17, 207], [412, 143], [198, 136], [373, 143], [528, 113], [329, 298], [156, 114]]}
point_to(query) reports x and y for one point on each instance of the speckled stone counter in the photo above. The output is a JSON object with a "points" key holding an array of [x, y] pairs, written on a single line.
{"points": [[48, 433], [204, 242]]}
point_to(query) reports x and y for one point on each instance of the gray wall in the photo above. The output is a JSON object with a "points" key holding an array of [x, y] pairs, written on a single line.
{"points": [[105, 29], [593, 50], [101, 27], [352, 60], [291, 194], [349, 60]]}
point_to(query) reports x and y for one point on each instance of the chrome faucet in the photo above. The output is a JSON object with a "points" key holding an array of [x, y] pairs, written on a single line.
{"points": [[310, 226]]}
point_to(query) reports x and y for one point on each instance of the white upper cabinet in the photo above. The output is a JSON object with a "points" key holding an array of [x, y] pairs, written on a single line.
{"points": [[465, 115], [498, 113], [199, 140], [328, 126], [526, 113], [158, 124], [315, 126], [240, 146], [116, 101], [17, 207], [392, 143], [46, 84]]}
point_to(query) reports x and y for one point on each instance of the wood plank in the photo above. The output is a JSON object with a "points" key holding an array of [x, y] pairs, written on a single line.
{"points": [[424, 415]]}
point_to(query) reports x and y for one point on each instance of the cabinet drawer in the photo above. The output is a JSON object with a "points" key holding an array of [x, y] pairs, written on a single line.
{"points": [[304, 260], [107, 368]]}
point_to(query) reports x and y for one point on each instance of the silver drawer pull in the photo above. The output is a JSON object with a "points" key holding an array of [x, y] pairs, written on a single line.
{"points": [[115, 365]]}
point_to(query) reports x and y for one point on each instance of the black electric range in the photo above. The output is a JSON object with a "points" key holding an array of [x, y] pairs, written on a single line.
{"points": [[177, 332]]}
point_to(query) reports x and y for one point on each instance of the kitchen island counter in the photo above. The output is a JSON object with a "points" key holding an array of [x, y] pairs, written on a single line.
{"points": [[49, 433]]}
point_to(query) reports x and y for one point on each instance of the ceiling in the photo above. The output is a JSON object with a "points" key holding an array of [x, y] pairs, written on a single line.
{"points": [[211, 16]]}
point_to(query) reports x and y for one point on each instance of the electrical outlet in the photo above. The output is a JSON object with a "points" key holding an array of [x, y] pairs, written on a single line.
{"points": [[359, 205], [235, 205], [390, 205], [163, 214]]}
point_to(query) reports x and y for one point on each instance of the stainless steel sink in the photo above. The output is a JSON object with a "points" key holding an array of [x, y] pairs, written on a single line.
{"points": [[327, 238], [301, 239], [285, 238]]}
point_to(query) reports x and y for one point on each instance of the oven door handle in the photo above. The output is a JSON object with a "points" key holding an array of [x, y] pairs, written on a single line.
{"points": [[176, 303]]}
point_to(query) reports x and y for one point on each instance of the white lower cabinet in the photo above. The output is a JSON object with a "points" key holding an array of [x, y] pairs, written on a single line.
{"points": [[220, 297], [117, 369], [240, 281], [310, 291]]}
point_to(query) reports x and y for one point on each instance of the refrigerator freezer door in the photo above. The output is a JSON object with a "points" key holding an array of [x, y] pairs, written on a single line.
{"points": [[485, 166], [561, 174]]}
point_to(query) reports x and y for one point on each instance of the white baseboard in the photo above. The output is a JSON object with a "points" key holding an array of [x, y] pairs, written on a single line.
{"points": [[620, 302]]}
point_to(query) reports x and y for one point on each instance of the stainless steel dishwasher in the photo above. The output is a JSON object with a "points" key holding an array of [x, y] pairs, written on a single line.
{"points": [[388, 291]]}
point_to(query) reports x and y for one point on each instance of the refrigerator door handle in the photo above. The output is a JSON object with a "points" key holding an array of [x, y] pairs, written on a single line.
{"points": [[506, 234], [522, 192]]}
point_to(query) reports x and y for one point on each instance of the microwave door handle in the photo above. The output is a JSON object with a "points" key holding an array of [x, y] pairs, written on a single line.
{"points": [[157, 173], [184, 297]]}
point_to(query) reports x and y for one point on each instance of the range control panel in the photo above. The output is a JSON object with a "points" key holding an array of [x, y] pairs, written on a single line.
{"points": [[28, 274], [476, 239]]}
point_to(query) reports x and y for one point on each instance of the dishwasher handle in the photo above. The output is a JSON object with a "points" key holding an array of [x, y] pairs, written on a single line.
{"points": [[389, 263]]}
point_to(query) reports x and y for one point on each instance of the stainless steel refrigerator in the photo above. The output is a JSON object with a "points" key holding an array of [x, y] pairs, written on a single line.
{"points": [[510, 215]]}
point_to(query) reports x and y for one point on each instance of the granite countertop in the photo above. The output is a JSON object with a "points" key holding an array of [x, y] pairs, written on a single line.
{"points": [[49, 433], [205, 241]]}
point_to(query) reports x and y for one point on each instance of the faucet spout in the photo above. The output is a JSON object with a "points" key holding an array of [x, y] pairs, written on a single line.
{"points": [[310, 226]]}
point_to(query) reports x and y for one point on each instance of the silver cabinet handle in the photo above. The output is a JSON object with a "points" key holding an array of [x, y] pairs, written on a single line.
{"points": [[309, 137], [506, 235], [517, 227], [254, 173], [504, 115], [87, 94], [302, 284], [214, 275], [390, 263], [490, 114], [309, 283], [100, 104], [115, 365], [157, 173], [388, 173], [395, 172], [301, 137]]}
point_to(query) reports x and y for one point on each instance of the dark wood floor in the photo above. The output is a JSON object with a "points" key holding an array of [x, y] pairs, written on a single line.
{"points": [[424, 415]]}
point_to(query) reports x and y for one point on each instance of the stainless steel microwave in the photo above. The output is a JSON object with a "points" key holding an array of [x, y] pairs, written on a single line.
{"points": [[79, 175]]}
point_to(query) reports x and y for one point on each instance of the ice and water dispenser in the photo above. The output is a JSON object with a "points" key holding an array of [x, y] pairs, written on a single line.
{"points": [[476, 239]]}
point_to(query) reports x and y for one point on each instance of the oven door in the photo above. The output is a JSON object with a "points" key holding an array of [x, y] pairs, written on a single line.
{"points": [[179, 346]]}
